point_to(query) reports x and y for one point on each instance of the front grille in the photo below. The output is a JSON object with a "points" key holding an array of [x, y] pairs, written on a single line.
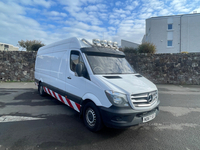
{"points": [[144, 99]]}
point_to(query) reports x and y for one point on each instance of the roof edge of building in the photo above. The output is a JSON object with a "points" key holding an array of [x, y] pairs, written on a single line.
{"points": [[9, 44], [129, 41], [174, 16]]}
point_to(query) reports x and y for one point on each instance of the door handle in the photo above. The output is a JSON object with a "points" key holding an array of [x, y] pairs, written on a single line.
{"points": [[69, 77]]}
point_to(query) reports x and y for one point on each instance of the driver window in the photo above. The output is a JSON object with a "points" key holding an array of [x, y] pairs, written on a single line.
{"points": [[75, 58]]}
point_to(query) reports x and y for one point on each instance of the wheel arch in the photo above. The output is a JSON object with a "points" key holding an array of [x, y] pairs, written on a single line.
{"points": [[89, 98]]}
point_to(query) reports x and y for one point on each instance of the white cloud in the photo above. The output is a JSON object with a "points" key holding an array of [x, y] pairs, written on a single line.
{"points": [[118, 3], [145, 15], [121, 11], [80, 13], [11, 8], [55, 14], [103, 16], [114, 21], [44, 3], [180, 5], [164, 12], [24, 19], [196, 10], [123, 16], [102, 7], [91, 8], [132, 6], [111, 28]]}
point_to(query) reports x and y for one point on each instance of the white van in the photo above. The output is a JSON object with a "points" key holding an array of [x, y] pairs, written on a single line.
{"points": [[97, 81]]}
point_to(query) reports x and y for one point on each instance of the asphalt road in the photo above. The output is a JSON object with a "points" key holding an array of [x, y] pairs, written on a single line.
{"points": [[29, 121]]}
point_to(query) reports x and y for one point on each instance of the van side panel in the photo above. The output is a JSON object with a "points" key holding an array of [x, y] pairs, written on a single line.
{"points": [[63, 67], [56, 59], [58, 70], [43, 67]]}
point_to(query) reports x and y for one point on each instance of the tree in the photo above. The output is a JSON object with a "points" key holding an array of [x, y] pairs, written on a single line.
{"points": [[147, 48], [36, 46], [28, 45]]}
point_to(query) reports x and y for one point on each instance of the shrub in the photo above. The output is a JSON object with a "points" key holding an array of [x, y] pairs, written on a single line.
{"points": [[130, 50], [147, 48]]}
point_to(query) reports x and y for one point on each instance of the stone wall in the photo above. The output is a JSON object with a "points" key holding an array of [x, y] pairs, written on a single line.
{"points": [[168, 68], [17, 66], [159, 68]]}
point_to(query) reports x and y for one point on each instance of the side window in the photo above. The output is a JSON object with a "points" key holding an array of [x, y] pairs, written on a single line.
{"points": [[74, 60]]}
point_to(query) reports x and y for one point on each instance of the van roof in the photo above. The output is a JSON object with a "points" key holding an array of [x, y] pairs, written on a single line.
{"points": [[71, 43], [83, 45]]}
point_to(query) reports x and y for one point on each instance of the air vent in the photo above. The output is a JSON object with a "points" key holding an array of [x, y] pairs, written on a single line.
{"points": [[112, 77], [138, 75]]}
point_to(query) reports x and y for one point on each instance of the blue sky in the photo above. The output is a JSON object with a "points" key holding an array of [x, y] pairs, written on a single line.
{"points": [[53, 20]]}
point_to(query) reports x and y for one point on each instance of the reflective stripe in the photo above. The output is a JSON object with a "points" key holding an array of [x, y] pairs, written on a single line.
{"points": [[69, 102], [63, 99], [57, 96], [74, 106], [54, 94]]}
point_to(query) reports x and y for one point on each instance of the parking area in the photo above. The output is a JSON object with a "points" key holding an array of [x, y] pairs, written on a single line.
{"points": [[29, 121]]}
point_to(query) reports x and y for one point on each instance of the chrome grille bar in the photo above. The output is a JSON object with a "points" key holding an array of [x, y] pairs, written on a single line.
{"points": [[144, 99]]}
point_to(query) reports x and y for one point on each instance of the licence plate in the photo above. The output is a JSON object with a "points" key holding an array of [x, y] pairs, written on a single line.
{"points": [[149, 118]]}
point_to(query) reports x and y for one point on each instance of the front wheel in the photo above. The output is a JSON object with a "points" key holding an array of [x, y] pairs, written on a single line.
{"points": [[92, 118]]}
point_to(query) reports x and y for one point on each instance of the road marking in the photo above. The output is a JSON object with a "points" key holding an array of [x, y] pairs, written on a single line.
{"points": [[177, 126], [17, 118], [178, 111], [167, 126]]}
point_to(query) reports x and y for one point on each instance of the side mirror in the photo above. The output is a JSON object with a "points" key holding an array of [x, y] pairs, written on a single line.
{"points": [[80, 69]]}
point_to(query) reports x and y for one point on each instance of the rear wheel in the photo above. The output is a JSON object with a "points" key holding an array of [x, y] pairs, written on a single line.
{"points": [[41, 90], [92, 118]]}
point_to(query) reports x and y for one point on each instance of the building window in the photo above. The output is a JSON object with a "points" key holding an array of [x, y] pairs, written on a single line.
{"points": [[170, 26], [6, 47], [169, 43]]}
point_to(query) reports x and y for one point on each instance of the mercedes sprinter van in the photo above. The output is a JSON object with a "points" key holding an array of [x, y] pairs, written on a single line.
{"points": [[97, 81]]}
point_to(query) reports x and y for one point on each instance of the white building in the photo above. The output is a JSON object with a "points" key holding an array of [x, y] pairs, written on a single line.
{"points": [[128, 44], [174, 34], [8, 47]]}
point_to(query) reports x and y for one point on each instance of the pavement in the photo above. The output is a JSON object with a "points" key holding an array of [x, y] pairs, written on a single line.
{"points": [[31, 122]]}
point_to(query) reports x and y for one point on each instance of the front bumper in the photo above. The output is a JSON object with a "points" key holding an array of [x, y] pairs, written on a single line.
{"points": [[117, 117]]}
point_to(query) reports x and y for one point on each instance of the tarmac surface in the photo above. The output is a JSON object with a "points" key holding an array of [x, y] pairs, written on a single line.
{"points": [[31, 122]]}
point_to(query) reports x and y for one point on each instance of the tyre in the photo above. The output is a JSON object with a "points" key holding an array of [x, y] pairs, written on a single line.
{"points": [[41, 90], [92, 118]]}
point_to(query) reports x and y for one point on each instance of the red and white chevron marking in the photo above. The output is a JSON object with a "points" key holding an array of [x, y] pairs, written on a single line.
{"points": [[63, 99]]}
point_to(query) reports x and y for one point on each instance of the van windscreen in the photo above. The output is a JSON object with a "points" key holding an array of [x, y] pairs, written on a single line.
{"points": [[109, 65]]}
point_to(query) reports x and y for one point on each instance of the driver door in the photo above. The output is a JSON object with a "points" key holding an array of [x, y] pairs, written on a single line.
{"points": [[75, 85]]}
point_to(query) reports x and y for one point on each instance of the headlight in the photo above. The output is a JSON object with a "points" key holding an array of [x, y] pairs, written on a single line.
{"points": [[117, 99], [154, 95]]}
